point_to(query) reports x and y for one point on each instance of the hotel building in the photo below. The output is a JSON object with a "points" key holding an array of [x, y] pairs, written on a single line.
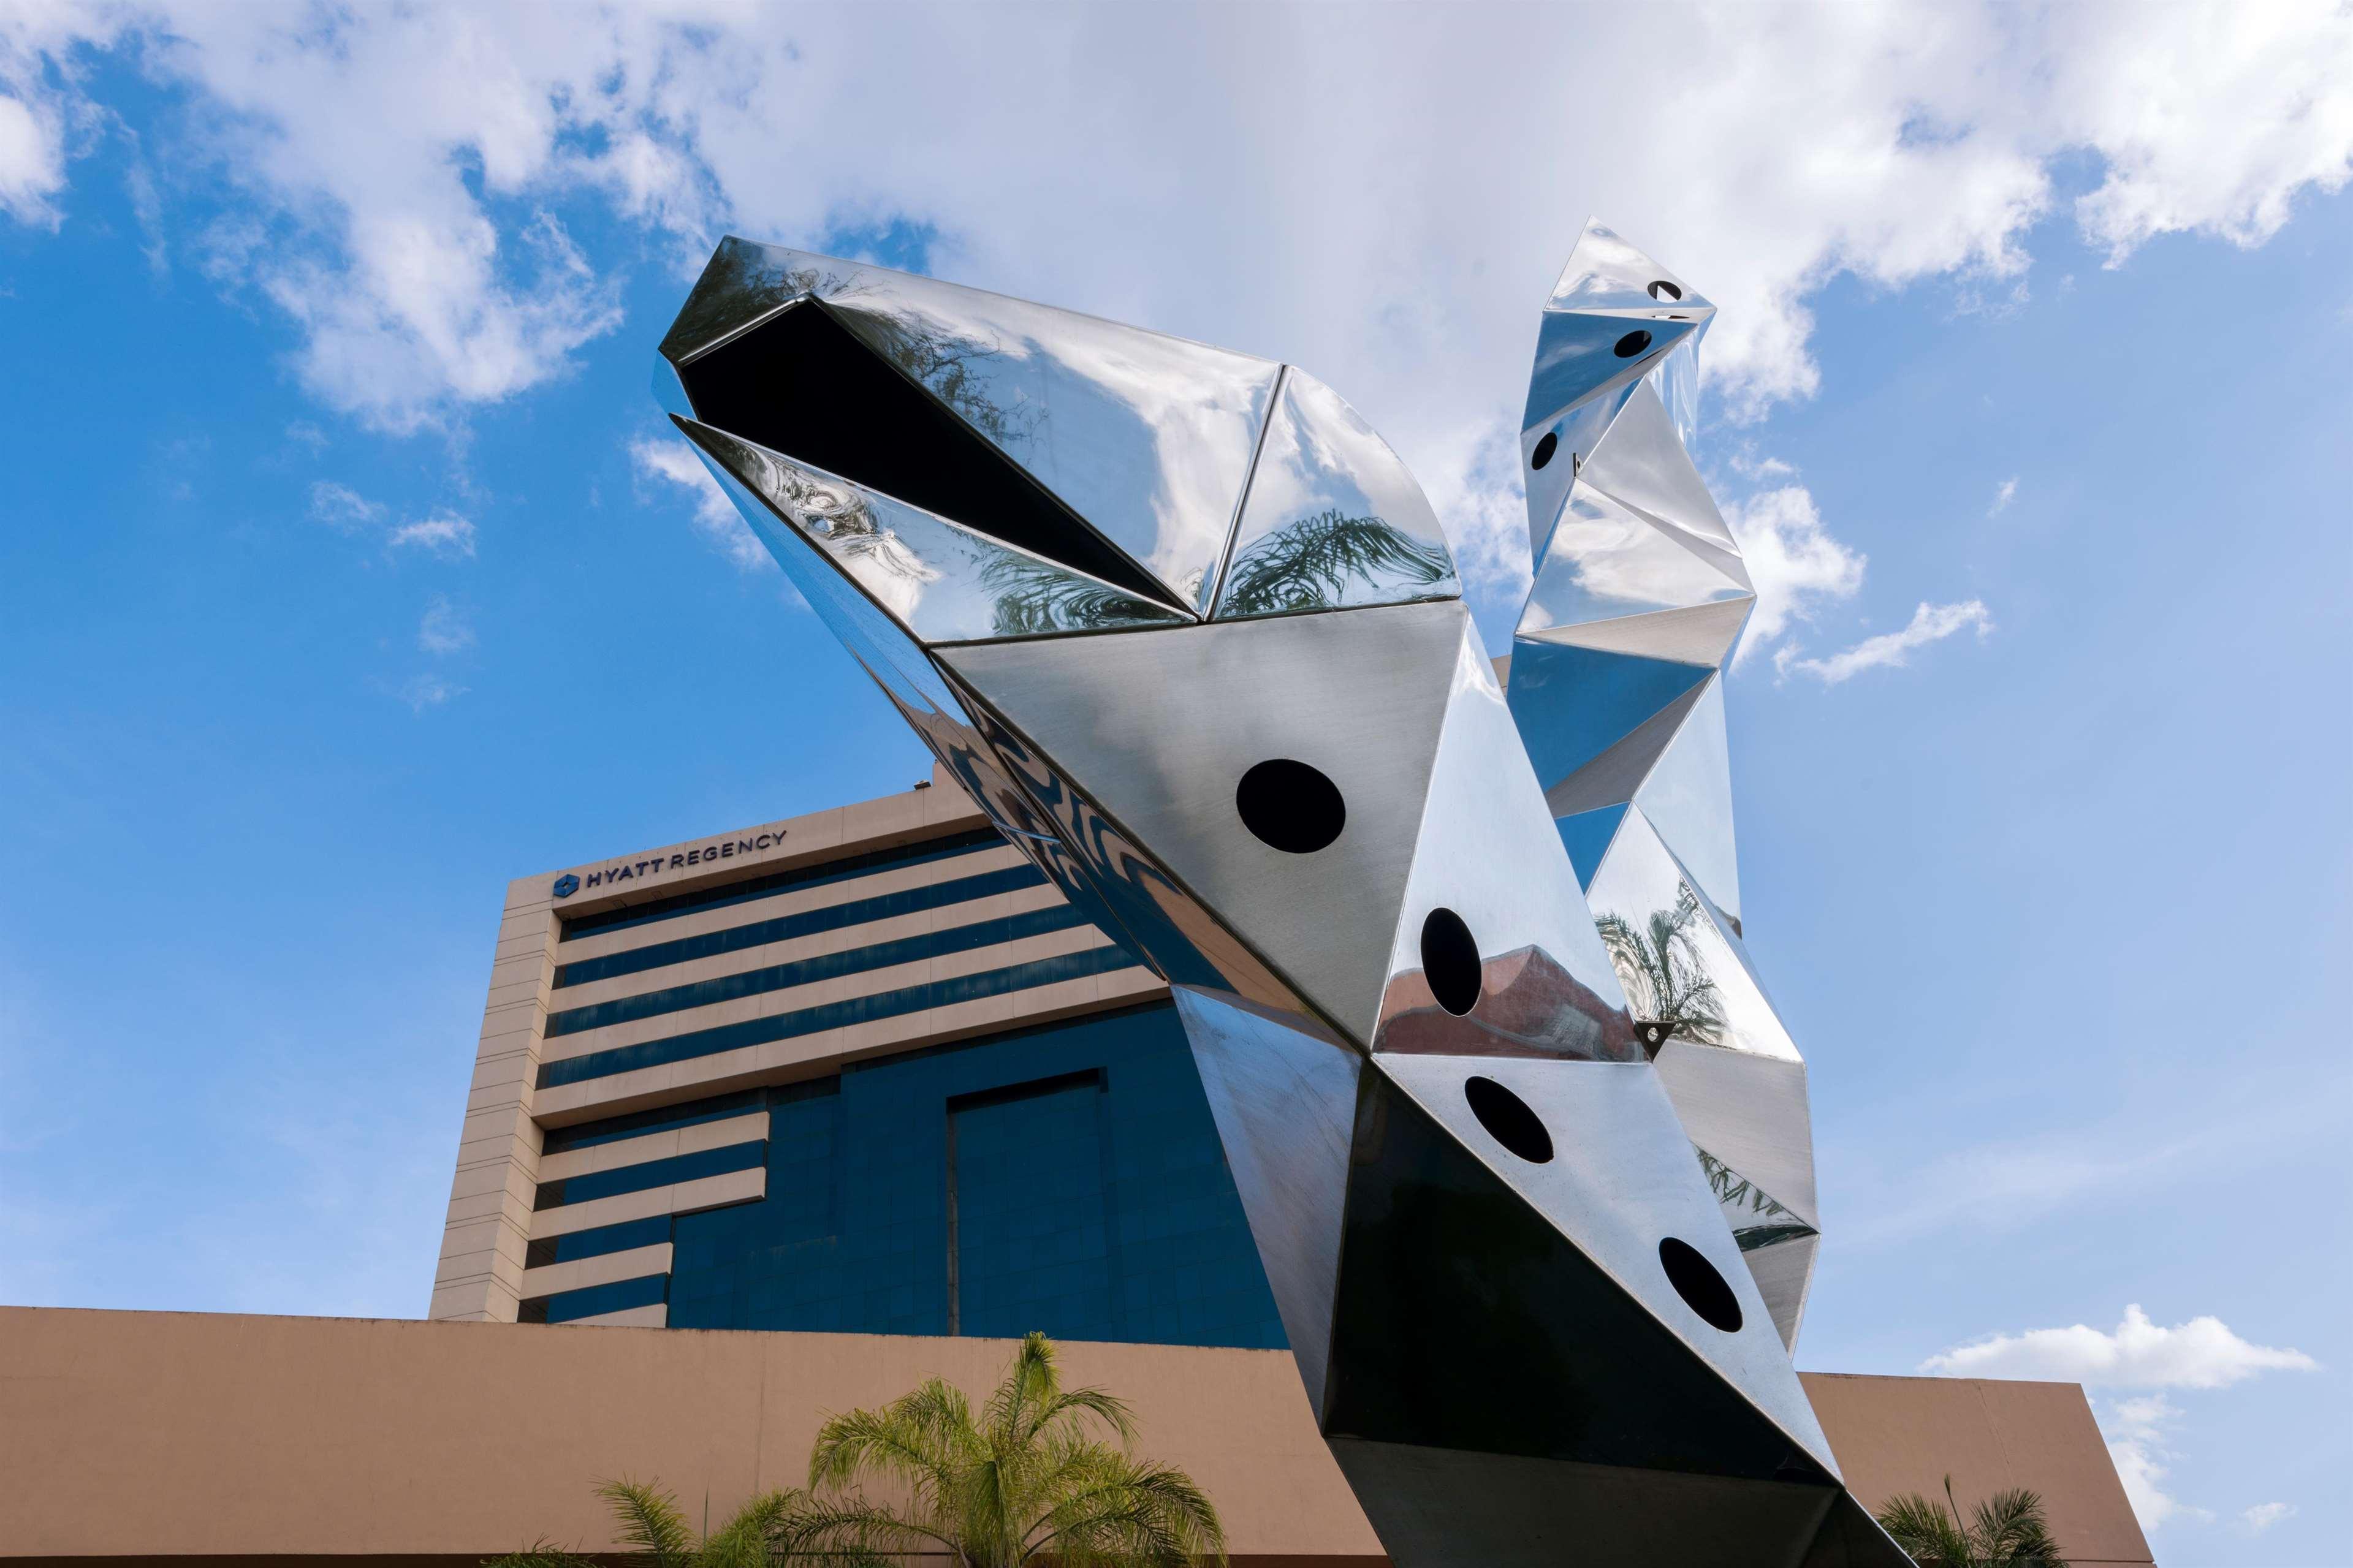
{"points": [[863, 1070]]}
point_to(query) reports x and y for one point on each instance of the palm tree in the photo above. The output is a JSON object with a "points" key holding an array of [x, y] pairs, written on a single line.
{"points": [[652, 1523], [1666, 979], [1028, 1479], [2006, 1531]]}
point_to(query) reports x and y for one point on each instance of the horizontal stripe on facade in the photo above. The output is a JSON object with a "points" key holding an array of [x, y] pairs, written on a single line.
{"points": [[654, 1144], [684, 1197], [627, 1237], [595, 1301], [631, 1263], [835, 1014], [647, 1174], [809, 971], [776, 882], [638, 1123], [806, 922]]}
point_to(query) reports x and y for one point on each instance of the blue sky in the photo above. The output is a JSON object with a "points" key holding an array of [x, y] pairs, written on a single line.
{"points": [[344, 573]]}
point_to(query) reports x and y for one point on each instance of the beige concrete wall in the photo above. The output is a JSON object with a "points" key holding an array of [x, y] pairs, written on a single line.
{"points": [[176, 1434], [1898, 1435], [181, 1434]]}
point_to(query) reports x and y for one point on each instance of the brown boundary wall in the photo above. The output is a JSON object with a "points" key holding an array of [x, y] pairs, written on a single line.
{"points": [[394, 1444]]}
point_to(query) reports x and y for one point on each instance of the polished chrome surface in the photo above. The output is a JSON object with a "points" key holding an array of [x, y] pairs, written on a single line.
{"points": [[940, 580], [1639, 600], [1146, 438], [1285, 1098], [1623, 1178], [1332, 520], [1487, 852], [1524, 1148], [1157, 730]]}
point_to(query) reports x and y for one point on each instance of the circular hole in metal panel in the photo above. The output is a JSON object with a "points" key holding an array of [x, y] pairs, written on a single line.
{"points": [[1508, 1119], [1449, 961], [1544, 449], [1663, 289], [1291, 807], [1703, 1289], [1633, 343]]}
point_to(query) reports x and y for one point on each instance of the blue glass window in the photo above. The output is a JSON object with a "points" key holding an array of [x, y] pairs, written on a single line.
{"points": [[1093, 1199], [807, 922], [834, 1015], [1029, 1230], [807, 970]]}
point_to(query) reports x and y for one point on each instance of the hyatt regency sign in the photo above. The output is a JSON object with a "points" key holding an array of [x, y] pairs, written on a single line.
{"points": [[727, 850]]}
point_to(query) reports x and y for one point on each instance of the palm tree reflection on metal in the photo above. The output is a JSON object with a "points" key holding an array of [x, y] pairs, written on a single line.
{"points": [[1666, 976]]}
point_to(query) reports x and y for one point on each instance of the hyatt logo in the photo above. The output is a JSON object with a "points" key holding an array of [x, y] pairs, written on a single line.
{"points": [[567, 884]]}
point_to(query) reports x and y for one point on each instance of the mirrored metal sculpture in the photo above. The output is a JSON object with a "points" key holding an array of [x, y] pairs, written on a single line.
{"points": [[1639, 599], [1188, 631]]}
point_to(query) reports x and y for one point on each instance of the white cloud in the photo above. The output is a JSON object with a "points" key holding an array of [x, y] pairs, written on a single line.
{"points": [[2200, 1353], [2264, 1515], [340, 506], [2136, 1430], [422, 691], [1930, 623], [444, 533], [402, 171], [1796, 566], [444, 630], [2003, 497], [32, 163], [671, 460]]}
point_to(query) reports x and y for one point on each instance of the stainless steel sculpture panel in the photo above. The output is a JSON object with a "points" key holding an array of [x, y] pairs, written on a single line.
{"points": [[1521, 1141]]}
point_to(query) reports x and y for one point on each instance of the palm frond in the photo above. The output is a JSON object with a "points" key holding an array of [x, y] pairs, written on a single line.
{"points": [[915, 1440], [650, 1521], [2012, 1532], [540, 1554], [854, 1533], [746, 1540], [1928, 1535], [1131, 1513]]}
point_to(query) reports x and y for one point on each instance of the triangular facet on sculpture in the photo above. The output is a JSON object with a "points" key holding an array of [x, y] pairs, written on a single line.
{"points": [[1552, 452], [1750, 1112], [1587, 836], [1776, 1242], [1675, 951], [1159, 729], [742, 283], [1703, 633], [1570, 1416], [1332, 520], [1607, 561], [1285, 1100], [1618, 1181], [1615, 317], [1137, 443], [1606, 273], [1496, 952], [1572, 704], [1677, 768], [1642, 463], [940, 580]]}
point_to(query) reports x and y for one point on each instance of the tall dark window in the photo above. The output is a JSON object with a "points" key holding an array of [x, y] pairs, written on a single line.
{"points": [[1029, 1221]]}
